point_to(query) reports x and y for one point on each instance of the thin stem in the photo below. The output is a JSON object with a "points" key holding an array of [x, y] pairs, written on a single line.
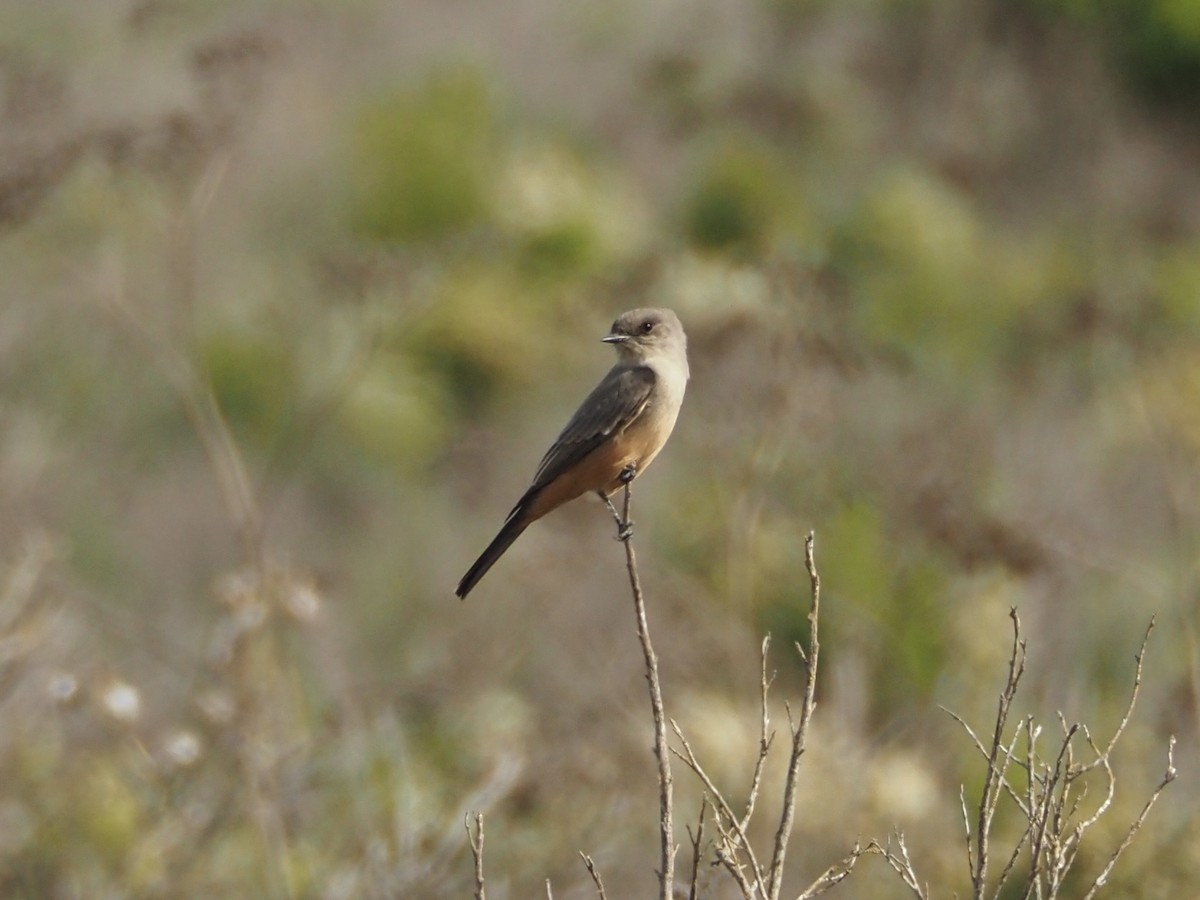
{"points": [[1168, 776], [994, 781], [697, 847], [475, 838], [800, 728], [666, 874], [594, 872]]}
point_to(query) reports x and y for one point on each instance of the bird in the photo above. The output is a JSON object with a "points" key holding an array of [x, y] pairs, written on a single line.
{"points": [[615, 434]]}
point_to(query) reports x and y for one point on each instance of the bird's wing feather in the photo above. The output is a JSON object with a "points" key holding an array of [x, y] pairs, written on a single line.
{"points": [[615, 403]]}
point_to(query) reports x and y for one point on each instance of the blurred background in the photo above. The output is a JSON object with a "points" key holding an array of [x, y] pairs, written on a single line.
{"points": [[275, 279]]}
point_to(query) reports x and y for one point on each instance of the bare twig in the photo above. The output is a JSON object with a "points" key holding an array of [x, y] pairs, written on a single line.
{"points": [[838, 872], [596, 880], [475, 838], [697, 840], [966, 818], [995, 769], [1053, 798], [800, 728], [766, 735], [1012, 860], [1139, 661], [1010, 759], [734, 837], [900, 862], [732, 848], [1047, 825], [666, 873], [1168, 776]]}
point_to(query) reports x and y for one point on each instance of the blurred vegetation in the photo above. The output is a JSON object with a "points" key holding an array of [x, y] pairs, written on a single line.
{"points": [[281, 286], [1156, 44], [421, 162]]}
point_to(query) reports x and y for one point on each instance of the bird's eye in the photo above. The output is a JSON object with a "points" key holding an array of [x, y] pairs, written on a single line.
{"points": [[647, 327]]}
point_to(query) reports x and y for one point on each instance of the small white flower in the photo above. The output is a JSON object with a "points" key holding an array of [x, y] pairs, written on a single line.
{"points": [[303, 602], [182, 747], [122, 701]]}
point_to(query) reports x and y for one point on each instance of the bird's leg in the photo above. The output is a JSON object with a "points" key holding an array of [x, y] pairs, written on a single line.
{"points": [[624, 529], [624, 525], [612, 509]]}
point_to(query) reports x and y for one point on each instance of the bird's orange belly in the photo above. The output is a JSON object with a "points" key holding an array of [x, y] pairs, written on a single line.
{"points": [[600, 470]]}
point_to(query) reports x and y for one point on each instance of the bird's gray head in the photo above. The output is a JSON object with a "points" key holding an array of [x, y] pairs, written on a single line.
{"points": [[642, 333]]}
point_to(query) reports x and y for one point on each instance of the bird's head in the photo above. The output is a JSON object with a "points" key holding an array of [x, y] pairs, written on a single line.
{"points": [[641, 333]]}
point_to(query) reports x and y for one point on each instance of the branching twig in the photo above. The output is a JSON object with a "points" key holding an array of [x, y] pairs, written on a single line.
{"points": [[900, 862], [1168, 776], [732, 847], [591, 867], [838, 872], [766, 735], [800, 728], [995, 769], [1052, 800], [1139, 660], [734, 837]]}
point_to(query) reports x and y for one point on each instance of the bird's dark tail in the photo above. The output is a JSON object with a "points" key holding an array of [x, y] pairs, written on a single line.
{"points": [[510, 532]]}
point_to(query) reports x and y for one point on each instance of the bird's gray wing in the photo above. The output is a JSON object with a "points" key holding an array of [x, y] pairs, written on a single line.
{"points": [[616, 402]]}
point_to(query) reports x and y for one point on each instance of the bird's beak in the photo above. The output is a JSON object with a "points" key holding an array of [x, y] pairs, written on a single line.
{"points": [[615, 338]]}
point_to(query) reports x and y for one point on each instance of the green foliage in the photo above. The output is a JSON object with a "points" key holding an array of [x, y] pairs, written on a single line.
{"points": [[481, 337], [920, 248], [1155, 42], [569, 217], [692, 537], [1159, 43], [423, 160], [252, 376], [110, 811], [1177, 285], [890, 598], [738, 198], [395, 413], [565, 249], [935, 283]]}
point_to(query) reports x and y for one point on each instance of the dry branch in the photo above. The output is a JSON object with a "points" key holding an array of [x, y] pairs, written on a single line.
{"points": [[732, 848], [475, 838], [596, 880], [666, 872], [697, 839], [1056, 786], [799, 729]]}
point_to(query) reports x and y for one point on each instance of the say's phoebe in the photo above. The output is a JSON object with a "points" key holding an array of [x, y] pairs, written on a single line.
{"points": [[618, 429]]}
